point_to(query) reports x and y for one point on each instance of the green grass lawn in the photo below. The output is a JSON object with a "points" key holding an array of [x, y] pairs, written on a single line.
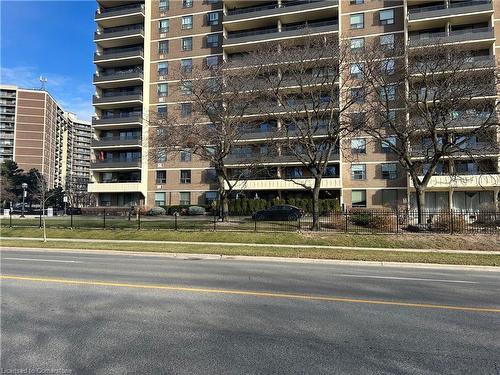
{"points": [[363, 255]]}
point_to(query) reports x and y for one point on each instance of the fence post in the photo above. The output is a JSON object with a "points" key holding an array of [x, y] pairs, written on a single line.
{"points": [[346, 221], [298, 222], [71, 212], [104, 218], [215, 220], [10, 217], [451, 221], [139, 219], [397, 220], [40, 224], [175, 222]]}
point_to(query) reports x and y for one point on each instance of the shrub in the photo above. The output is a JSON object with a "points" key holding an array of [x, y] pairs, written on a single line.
{"points": [[362, 219], [445, 222], [196, 210], [156, 211], [385, 223], [336, 220]]}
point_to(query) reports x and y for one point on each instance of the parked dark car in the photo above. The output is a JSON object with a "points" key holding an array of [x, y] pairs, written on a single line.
{"points": [[279, 212], [73, 211]]}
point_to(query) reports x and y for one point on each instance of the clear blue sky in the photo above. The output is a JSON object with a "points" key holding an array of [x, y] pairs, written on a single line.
{"points": [[53, 39]]}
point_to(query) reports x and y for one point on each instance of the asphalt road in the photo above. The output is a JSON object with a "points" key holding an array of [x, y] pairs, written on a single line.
{"points": [[96, 313]]}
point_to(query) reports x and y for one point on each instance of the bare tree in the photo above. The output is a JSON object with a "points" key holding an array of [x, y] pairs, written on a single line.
{"points": [[430, 106], [302, 85], [42, 194], [209, 123]]}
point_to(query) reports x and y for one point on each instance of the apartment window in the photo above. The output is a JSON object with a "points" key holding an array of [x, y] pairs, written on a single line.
{"points": [[358, 171], [388, 93], [331, 171], [213, 41], [187, 22], [161, 177], [357, 21], [389, 197], [187, 88], [186, 109], [388, 143], [356, 70], [387, 41], [358, 146], [159, 199], [185, 176], [389, 171], [185, 155], [187, 44], [213, 18], [161, 110], [164, 26], [389, 67], [163, 46], [163, 5], [358, 198], [161, 156], [357, 95], [212, 61], [187, 65], [162, 90], [357, 43], [185, 198], [386, 16], [356, 2], [187, 3], [163, 68]]}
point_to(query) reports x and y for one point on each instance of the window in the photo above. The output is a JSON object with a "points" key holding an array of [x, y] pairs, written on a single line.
{"points": [[389, 67], [162, 68], [186, 109], [357, 21], [357, 95], [388, 93], [389, 197], [185, 176], [358, 171], [187, 65], [161, 177], [161, 156], [159, 199], [187, 3], [185, 155], [187, 44], [163, 5], [162, 90], [358, 146], [185, 198], [213, 18], [387, 41], [164, 26], [294, 172], [358, 198], [187, 88], [388, 143], [356, 2], [162, 110], [213, 41], [389, 171], [357, 43], [187, 22], [356, 70], [212, 61], [331, 171], [163, 46], [386, 16], [211, 196]]}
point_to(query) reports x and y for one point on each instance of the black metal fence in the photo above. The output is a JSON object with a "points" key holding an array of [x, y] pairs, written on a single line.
{"points": [[354, 221]]}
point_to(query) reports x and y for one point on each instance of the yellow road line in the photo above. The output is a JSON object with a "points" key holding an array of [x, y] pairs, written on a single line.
{"points": [[248, 293]]}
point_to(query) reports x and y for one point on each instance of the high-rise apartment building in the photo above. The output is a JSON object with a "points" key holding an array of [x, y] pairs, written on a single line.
{"points": [[36, 132], [142, 47]]}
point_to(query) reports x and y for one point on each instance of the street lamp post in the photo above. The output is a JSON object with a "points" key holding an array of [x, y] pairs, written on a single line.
{"points": [[24, 185]]}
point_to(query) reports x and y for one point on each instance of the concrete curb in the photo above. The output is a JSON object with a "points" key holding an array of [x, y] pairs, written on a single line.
{"points": [[255, 245], [195, 256]]}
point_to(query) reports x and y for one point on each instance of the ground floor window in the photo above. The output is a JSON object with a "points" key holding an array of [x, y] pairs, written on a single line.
{"points": [[358, 198], [472, 200], [185, 198], [159, 199], [389, 197], [210, 196], [434, 201]]}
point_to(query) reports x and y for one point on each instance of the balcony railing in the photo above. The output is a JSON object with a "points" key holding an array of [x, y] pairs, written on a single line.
{"points": [[119, 11], [453, 37], [116, 141], [452, 9], [116, 163], [119, 54], [133, 117], [277, 184], [117, 97], [112, 187], [119, 32], [118, 76]]}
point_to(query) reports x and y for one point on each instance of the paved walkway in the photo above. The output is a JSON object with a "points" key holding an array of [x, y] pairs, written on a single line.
{"points": [[84, 240]]}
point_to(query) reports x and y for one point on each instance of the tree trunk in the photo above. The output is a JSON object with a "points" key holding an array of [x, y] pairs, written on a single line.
{"points": [[420, 195], [315, 205]]}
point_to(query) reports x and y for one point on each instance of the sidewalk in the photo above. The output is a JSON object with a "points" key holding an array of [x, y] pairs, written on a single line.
{"points": [[82, 240]]}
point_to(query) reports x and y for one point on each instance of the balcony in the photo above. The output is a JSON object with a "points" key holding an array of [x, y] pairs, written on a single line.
{"points": [[126, 56], [116, 164], [117, 15], [117, 99], [281, 184], [454, 9], [114, 187], [269, 159], [128, 120], [458, 36], [118, 36], [114, 142], [109, 80], [276, 9], [478, 148], [473, 181], [288, 31]]}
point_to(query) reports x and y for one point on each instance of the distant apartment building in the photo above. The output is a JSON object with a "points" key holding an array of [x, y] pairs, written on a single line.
{"points": [[36, 132], [142, 47]]}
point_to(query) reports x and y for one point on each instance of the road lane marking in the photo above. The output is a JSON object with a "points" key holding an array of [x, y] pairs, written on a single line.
{"points": [[43, 260], [248, 293], [407, 278]]}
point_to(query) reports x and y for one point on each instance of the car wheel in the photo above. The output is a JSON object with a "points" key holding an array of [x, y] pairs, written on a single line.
{"points": [[292, 217]]}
